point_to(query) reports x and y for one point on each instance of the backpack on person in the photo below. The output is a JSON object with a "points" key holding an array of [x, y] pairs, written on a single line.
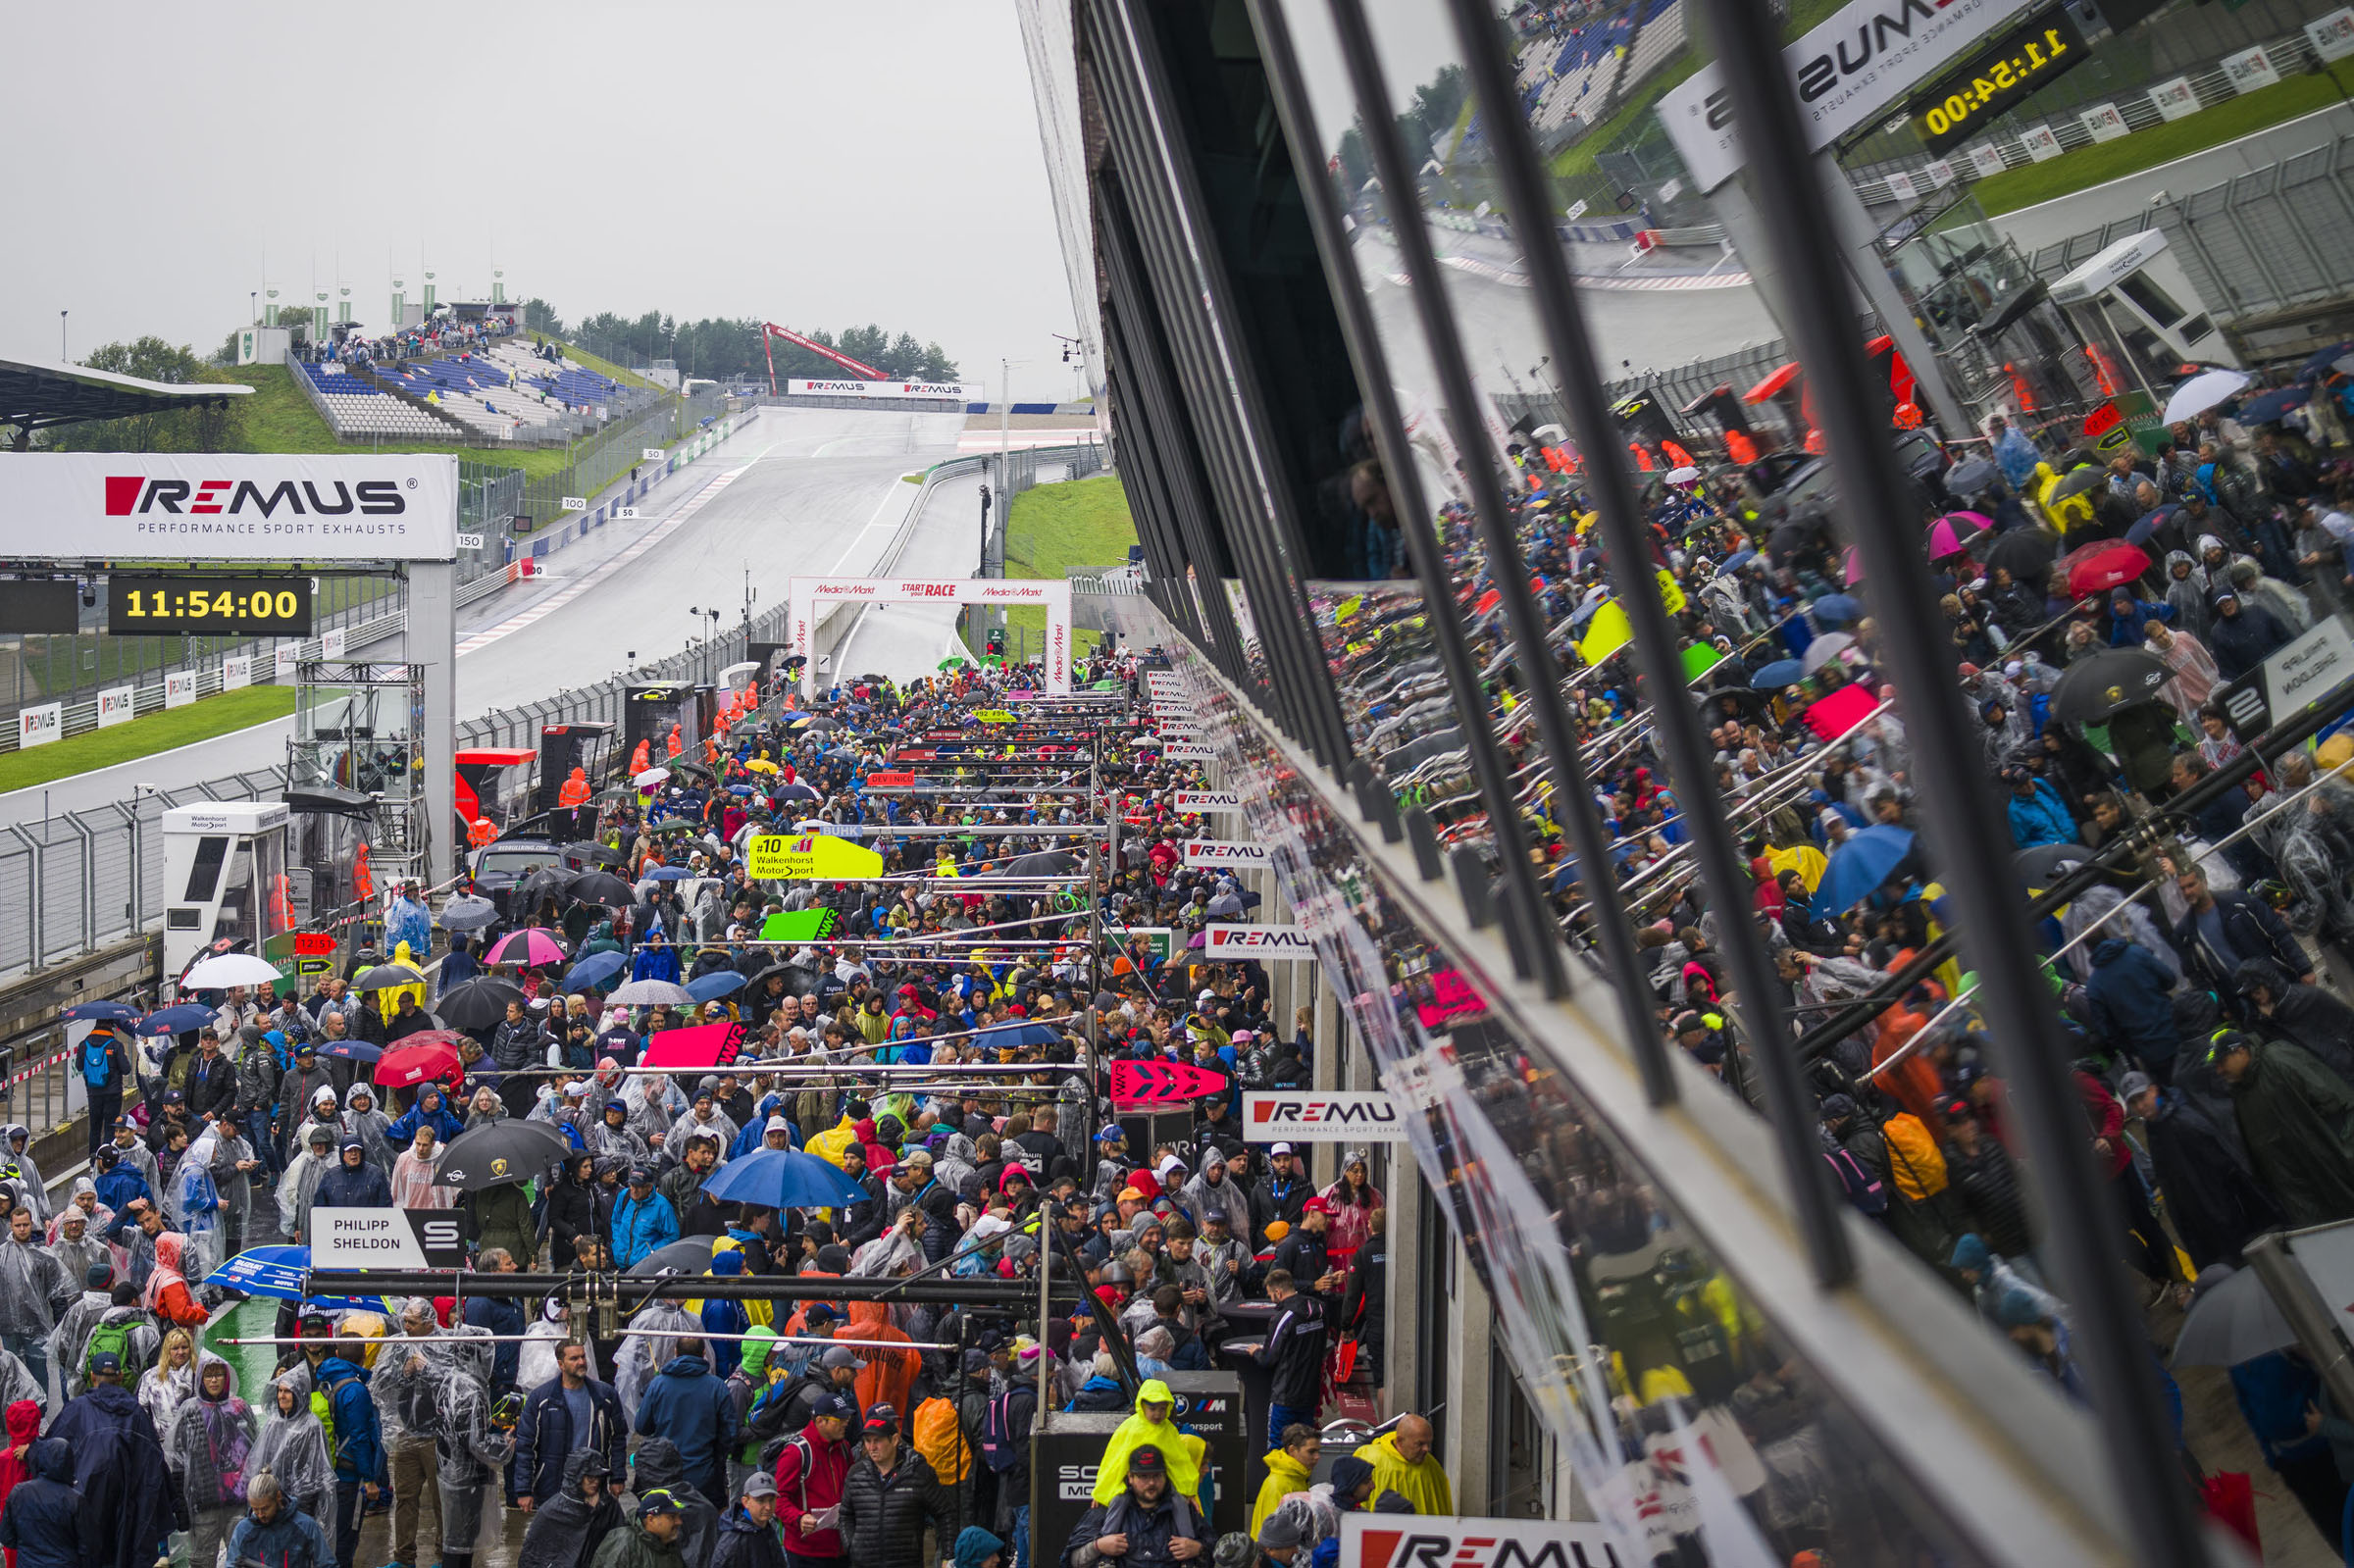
{"points": [[999, 1448], [97, 1064], [939, 1439], [111, 1338], [1857, 1185]]}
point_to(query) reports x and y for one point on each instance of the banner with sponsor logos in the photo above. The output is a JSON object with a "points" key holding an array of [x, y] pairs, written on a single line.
{"points": [[1429, 1540], [179, 689], [38, 726], [236, 671], [115, 705], [211, 507], [1265, 943], [1311, 1116], [386, 1238], [961, 391], [286, 660], [1207, 800], [809, 599], [1224, 852]]}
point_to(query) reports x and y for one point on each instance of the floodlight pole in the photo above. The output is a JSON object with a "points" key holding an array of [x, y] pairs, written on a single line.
{"points": [[432, 643]]}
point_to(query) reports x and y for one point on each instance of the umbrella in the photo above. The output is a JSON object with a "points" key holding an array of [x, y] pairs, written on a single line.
{"points": [[1824, 649], [535, 946], [1977, 473], [2143, 527], [602, 888], [110, 1013], [2041, 866], [596, 854], [1861, 865], [431, 1055], [1952, 535], [821, 721], [594, 970], [2092, 689], [383, 977], [1043, 863], [2326, 360], [502, 1152], [667, 874], [478, 1003], [672, 825], [2076, 481], [954, 661], [646, 777], [797, 978], [277, 1272], [548, 882], [353, 1050], [1780, 672], [782, 1178], [1838, 609], [1009, 1036], [649, 992], [2026, 553], [760, 765], [2202, 392], [469, 912], [168, 1021], [1735, 562], [2275, 404], [227, 970], [2234, 1321], [2102, 565], [795, 790], [712, 986], [690, 1256]]}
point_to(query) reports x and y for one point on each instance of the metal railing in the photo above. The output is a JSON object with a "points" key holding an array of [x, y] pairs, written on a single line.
{"points": [[598, 460]]}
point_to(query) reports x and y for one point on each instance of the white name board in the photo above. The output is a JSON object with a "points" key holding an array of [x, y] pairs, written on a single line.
{"points": [[2332, 35], [2103, 122], [332, 643], [1308, 1116], [288, 660], [961, 391], [211, 507], [2249, 70], [2041, 145], [37, 727], [1847, 71], [1224, 852], [1901, 186], [1400, 1540], [385, 1238], [2176, 99], [179, 689], [2311, 668], [1984, 160], [1205, 800], [236, 672], [1577, 210], [115, 705], [1187, 752], [1941, 174], [1262, 942]]}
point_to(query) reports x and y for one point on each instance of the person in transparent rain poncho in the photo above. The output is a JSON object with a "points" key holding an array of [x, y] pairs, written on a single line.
{"points": [[292, 1447], [208, 1449], [545, 1337], [643, 1355], [473, 1438]]}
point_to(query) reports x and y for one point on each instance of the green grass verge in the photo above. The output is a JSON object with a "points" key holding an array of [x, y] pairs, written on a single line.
{"points": [[2105, 161], [144, 737], [1055, 528]]}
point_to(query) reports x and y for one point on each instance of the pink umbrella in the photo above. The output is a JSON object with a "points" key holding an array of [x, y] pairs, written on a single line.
{"points": [[532, 946], [1952, 533], [1853, 567]]}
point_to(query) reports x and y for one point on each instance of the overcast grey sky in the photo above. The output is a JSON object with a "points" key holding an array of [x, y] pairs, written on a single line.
{"points": [[816, 163]]}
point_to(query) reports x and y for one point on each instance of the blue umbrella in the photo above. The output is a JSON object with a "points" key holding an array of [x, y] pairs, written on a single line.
{"points": [[353, 1050], [1780, 672], [2140, 531], [2273, 405], [1735, 562], [1861, 865], [1006, 1036], [277, 1272], [783, 1179], [101, 1013], [667, 874], [594, 970], [1838, 609], [176, 1020], [712, 986], [2326, 359]]}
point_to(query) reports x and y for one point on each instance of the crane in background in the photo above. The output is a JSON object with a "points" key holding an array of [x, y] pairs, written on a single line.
{"points": [[770, 329]]}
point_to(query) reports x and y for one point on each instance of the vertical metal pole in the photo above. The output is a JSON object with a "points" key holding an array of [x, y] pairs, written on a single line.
{"points": [[2109, 1342]]}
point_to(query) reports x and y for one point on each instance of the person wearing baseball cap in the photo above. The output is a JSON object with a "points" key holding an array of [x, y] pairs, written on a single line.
{"points": [[1151, 1519], [893, 1493], [642, 1219], [811, 1470], [1281, 1194], [1303, 1252], [571, 1525], [747, 1536]]}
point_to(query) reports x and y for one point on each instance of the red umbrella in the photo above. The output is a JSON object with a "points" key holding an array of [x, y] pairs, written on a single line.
{"points": [[535, 946], [431, 1054], [1952, 535], [2102, 565]]}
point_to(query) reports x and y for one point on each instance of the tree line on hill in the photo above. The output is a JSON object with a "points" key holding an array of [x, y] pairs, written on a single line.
{"points": [[723, 350]]}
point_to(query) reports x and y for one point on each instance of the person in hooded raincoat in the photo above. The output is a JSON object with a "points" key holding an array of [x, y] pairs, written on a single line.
{"points": [[643, 1355], [20, 1154], [566, 1530], [365, 1119], [165, 1293], [657, 1466], [2296, 1120], [207, 1451], [301, 1179], [41, 1522], [472, 1446], [292, 1447], [1152, 1424]]}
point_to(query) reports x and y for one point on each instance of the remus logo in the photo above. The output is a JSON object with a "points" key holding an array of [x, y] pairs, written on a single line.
{"points": [[1874, 38], [1385, 1549], [129, 494]]}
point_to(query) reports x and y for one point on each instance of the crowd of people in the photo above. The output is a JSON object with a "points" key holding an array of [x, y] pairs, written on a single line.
{"points": [[445, 333], [770, 1429]]}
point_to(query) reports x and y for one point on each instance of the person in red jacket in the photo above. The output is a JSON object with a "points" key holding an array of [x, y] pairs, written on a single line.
{"points": [[811, 1471], [2147, 1245]]}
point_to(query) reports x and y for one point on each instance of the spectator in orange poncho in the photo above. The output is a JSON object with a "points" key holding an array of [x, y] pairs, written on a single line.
{"points": [[1913, 1082], [886, 1377]]}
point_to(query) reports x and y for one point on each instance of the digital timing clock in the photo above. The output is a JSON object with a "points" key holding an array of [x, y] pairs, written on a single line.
{"points": [[1997, 79], [171, 606]]}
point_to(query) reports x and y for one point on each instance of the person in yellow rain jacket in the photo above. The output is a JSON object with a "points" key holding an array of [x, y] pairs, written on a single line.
{"points": [[1150, 1425], [828, 1145], [1402, 1463], [1290, 1469]]}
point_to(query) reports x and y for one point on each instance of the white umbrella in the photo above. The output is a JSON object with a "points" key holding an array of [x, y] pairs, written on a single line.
{"points": [[1682, 476], [230, 968], [652, 775], [650, 994], [2232, 1322], [2202, 392], [1824, 649]]}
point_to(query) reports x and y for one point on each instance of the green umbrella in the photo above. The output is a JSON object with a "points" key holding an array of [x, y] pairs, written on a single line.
{"points": [[673, 825], [954, 661], [1111, 685]]}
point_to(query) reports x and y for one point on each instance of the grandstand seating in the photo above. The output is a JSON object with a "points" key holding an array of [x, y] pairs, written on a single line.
{"points": [[1658, 39], [1584, 70], [355, 407]]}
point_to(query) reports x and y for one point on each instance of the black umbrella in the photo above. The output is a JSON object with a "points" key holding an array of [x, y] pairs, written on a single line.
{"points": [[2041, 866], [2077, 482], [602, 888], [797, 978], [479, 1003], [1043, 863], [2028, 554], [2092, 689], [689, 1256], [597, 855], [383, 977], [497, 1153], [548, 882], [1977, 473]]}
